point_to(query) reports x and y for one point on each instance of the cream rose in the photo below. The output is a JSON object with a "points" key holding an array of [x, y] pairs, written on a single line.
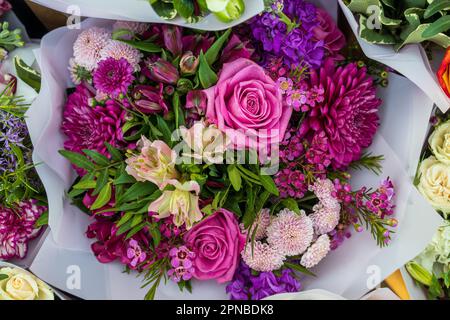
{"points": [[434, 183], [440, 142], [22, 285]]}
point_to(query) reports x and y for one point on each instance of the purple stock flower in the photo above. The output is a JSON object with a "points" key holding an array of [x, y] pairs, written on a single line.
{"points": [[113, 77], [248, 286]]}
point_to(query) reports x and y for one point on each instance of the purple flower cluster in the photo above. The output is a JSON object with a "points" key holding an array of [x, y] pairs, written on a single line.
{"points": [[291, 182], [182, 262], [288, 32], [17, 228], [248, 286], [13, 132]]}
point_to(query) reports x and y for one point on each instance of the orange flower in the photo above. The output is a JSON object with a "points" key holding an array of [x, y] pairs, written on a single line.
{"points": [[443, 73]]}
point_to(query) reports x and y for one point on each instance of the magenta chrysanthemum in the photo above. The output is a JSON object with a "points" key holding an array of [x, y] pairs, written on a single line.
{"points": [[87, 47], [113, 77], [89, 127], [316, 252], [262, 257], [349, 113], [290, 233], [17, 228], [117, 50], [261, 223]]}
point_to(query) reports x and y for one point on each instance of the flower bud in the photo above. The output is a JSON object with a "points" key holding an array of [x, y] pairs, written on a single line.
{"points": [[189, 63], [162, 71], [184, 86], [172, 39], [419, 273], [149, 99]]}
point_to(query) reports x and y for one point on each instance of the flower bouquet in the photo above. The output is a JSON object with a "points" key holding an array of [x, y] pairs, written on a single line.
{"points": [[198, 14], [407, 36], [210, 161], [431, 267], [22, 196]]}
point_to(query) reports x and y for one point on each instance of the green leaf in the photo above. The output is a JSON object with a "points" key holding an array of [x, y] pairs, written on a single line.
{"points": [[143, 45], [42, 220], [85, 185], [3, 276], [269, 185], [77, 159], [124, 178], [137, 190], [299, 268], [164, 9], [120, 33], [179, 116], [27, 74], [135, 230], [435, 7], [103, 197], [115, 153], [373, 36], [98, 158], [213, 52], [206, 75], [156, 235], [185, 8], [291, 204], [441, 25], [102, 180], [164, 128], [235, 177], [250, 214], [125, 218]]}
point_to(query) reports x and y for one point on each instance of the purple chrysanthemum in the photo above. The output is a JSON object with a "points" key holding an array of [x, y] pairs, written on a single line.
{"points": [[113, 77], [349, 113], [89, 127]]}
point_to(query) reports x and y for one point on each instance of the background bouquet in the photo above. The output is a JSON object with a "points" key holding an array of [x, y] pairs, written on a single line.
{"points": [[431, 267], [22, 197]]}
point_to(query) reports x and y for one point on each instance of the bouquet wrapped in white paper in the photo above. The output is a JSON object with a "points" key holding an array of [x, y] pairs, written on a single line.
{"points": [[142, 11], [351, 271], [411, 61]]}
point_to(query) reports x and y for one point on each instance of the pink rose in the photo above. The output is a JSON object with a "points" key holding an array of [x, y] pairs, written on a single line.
{"points": [[248, 102], [217, 243], [327, 30]]}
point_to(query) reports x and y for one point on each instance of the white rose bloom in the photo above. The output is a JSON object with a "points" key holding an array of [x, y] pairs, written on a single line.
{"points": [[440, 142], [22, 285], [434, 183]]}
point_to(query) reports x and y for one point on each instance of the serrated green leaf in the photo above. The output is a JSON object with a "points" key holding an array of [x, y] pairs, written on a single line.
{"points": [[103, 197]]}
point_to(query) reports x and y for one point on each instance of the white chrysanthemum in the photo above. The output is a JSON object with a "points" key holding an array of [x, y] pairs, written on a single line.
{"points": [[117, 50], [261, 223], [87, 47], [137, 28], [262, 257], [323, 189], [290, 233], [325, 219], [316, 252]]}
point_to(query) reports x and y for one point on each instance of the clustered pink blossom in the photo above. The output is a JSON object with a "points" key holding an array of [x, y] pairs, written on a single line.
{"points": [[87, 47], [291, 182], [118, 50], [17, 228], [316, 252], [262, 257], [182, 262]]}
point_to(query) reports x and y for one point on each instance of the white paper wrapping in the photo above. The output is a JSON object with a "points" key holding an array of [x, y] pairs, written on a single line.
{"points": [[344, 272], [140, 10], [411, 61]]}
